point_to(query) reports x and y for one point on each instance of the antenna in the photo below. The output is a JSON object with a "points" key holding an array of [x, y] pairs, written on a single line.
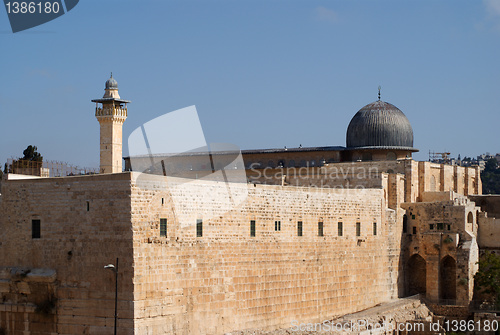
{"points": [[379, 92]]}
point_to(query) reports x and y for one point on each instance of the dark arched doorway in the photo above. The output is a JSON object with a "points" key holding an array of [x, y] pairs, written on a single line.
{"points": [[448, 278], [416, 275]]}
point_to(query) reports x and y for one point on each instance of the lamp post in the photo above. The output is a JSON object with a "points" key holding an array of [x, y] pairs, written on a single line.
{"points": [[115, 270]]}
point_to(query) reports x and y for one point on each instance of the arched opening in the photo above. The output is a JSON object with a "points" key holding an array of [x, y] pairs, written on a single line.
{"points": [[367, 156], [447, 278], [405, 223], [433, 184], [470, 218], [416, 275], [391, 156]]}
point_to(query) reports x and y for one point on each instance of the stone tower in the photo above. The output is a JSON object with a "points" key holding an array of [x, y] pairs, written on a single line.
{"points": [[111, 115]]}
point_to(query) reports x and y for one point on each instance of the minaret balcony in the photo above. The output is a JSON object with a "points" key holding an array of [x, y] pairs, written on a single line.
{"points": [[118, 111]]}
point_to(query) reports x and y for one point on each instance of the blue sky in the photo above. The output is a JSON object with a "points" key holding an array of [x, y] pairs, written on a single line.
{"points": [[262, 74]]}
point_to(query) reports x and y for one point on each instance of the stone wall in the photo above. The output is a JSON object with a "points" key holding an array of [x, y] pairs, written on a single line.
{"points": [[174, 281], [488, 203], [488, 232], [228, 280], [443, 234], [84, 225], [488, 220]]}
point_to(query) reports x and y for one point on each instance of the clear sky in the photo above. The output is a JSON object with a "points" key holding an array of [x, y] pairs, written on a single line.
{"points": [[262, 74]]}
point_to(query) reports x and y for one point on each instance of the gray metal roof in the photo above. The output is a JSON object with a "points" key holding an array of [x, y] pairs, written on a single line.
{"points": [[379, 125], [111, 83]]}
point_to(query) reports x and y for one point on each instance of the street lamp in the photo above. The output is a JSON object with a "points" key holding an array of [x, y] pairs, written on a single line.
{"points": [[115, 270]]}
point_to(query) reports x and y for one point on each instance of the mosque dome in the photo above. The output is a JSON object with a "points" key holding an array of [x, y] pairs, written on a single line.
{"points": [[111, 83], [380, 125]]}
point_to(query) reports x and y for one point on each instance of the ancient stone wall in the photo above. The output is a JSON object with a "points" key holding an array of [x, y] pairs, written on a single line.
{"points": [[488, 203], [442, 234], [228, 279], [84, 225], [488, 232]]}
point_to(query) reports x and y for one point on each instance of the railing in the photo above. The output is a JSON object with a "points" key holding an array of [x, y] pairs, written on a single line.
{"points": [[109, 111], [46, 168]]}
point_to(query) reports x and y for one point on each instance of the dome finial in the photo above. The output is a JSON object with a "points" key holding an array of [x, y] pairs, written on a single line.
{"points": [[111, 74], [379, 92]]}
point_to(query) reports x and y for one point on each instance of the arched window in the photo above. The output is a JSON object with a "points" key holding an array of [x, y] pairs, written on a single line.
{"points": [[367, 156], [448, 279], [470, 217], [391, 156], [416, 275]]}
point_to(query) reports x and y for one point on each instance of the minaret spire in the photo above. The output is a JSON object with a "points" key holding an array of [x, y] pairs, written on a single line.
{"points": [[379, 92]]}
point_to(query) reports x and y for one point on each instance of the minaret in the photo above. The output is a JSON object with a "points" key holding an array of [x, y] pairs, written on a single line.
{"points": [[111, 115]]}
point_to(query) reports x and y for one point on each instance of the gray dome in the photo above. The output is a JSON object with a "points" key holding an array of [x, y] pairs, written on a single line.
{"points": [[111, 83], [380, 125]]}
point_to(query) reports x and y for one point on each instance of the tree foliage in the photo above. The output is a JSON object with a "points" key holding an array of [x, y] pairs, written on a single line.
{"points": [[31, 154], [490, 177], [487, 278]]}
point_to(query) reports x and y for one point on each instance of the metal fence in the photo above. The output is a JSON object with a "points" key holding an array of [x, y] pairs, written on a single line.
{"points": [[46, 168]]}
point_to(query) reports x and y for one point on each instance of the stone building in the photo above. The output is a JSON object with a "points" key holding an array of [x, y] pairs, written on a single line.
{"points": [[320, 232]]}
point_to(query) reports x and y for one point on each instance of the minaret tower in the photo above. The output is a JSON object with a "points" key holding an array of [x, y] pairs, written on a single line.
{"points": [[111, 115]]}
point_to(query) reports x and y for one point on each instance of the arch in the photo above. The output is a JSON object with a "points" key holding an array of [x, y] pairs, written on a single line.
{"points": [[433, 184], [416, 275], [448, 278], [470, 218], [391, 156], [366, 156]]}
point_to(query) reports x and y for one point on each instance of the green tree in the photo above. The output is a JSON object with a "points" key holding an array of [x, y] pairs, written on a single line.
{"points": [[487, 278], [31, 154], [491, 165]]}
